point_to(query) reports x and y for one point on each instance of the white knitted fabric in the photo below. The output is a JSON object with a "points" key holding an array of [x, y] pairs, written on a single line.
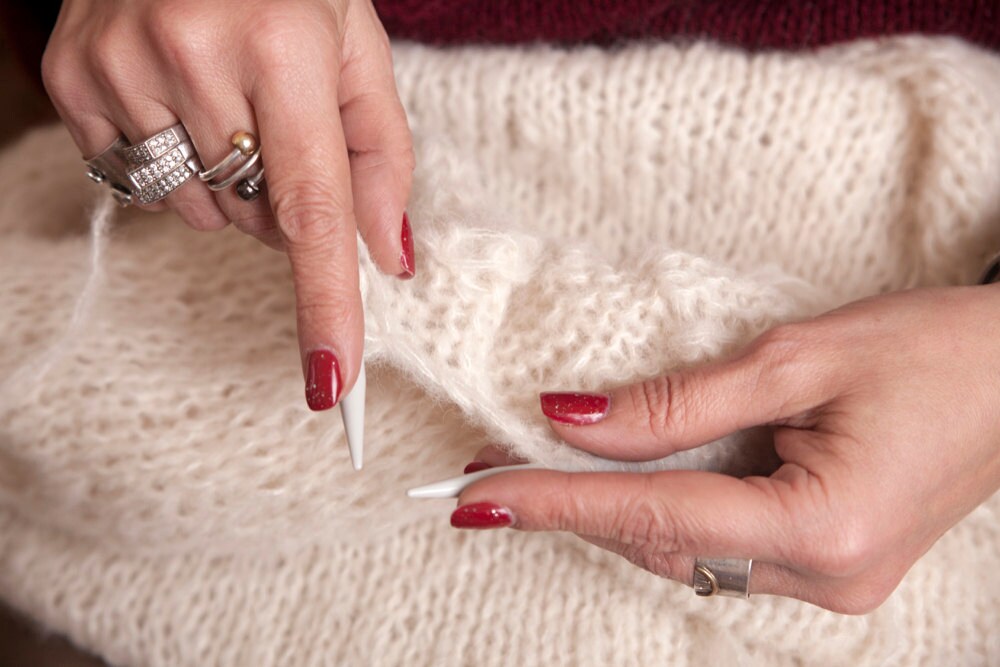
{"points": [[583, 219]]}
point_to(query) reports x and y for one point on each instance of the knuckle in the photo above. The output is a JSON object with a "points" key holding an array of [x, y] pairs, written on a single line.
{"points": [[643, 522], [108, 57], [850, 552], [785, 357], [308, 214], [565, 510], [173, 24], [182, 35], [783, 342], [283, 37], [334, 312], [659, 402], [59, 75]]}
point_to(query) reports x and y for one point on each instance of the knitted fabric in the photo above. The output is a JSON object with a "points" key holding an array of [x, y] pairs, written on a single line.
{"points": [[758, 24], [582, 218]]}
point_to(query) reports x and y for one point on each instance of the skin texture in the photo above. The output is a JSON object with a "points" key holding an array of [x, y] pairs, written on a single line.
{"points": [[312, 79], [886, 415]]}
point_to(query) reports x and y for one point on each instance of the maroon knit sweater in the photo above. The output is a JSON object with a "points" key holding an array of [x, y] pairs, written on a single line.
{"points": [[754, 24]]}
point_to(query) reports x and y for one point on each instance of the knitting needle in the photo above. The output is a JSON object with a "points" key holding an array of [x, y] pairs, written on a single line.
{"points": [[452, 488], [352, 411]]}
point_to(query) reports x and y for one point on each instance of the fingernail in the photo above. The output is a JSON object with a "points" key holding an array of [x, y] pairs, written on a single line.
{"points": [[575, 408], [322, 380], [481, 515], [476, 466], [406, 258]]}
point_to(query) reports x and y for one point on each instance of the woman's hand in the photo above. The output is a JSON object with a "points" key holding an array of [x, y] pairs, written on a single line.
{"points": [[886, 415], [313, 80]]}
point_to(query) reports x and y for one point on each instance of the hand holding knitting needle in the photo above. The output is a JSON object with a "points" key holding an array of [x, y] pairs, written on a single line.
{"points": [[886, 416], [313, 80]]}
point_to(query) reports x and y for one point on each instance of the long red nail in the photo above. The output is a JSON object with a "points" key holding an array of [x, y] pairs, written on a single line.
{"points": [[481, 515], [406, 258], [575, 408], [322, 380], [476, 466]]}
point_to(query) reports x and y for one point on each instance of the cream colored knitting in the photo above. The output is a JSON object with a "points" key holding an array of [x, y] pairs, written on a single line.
{"points": [[583, 219]]}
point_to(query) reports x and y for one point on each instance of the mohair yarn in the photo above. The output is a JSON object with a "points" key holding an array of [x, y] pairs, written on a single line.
{"points": [[583, 218]]}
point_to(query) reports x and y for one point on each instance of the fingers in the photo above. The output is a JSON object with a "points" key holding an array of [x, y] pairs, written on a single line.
{"points": [[673, 512], [310, 193], [212, 118], [192, 201], [493, 456], [380, 145], [776, 381]]}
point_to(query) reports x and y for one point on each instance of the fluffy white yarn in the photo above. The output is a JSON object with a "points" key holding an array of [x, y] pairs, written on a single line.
{"points": [[582, 219]]}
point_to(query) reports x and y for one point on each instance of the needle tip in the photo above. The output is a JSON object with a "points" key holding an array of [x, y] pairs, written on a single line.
{"points": [[352, 411]]}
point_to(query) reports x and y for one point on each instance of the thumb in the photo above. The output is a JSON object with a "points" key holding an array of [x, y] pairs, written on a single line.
{"points": [[776, 379]]}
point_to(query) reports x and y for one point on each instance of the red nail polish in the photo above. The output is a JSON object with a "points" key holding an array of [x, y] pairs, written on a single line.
{"points": [[476, 466], [481, 515], [575, 408], [322, 380], [406, 258]]}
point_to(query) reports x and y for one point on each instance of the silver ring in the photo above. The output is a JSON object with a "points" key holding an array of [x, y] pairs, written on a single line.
{"points": [[148, 170], [146, 174], [148, 150], [109, 166], [236, 175], [722, 576], [226, 163], [169, 182], [245, 147]]}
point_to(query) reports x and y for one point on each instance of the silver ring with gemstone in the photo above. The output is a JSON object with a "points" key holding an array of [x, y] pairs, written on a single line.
{"points": [[149, 149], [722, 576], [146, 171], [246, 148]]}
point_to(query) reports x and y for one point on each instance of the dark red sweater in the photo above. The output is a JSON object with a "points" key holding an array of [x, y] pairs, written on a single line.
{"points": [[755, 24]]}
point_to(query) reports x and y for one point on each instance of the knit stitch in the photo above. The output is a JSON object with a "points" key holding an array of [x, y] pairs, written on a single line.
{"points": [[582, 218]]}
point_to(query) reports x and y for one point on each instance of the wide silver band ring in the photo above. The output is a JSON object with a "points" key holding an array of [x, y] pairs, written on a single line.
{"points": [[146, 171], [149, 149], [109, 166], [729, 577]]}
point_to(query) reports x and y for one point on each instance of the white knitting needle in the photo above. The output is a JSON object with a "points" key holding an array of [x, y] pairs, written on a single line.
{"points": [[452, 488], [352, 411]]}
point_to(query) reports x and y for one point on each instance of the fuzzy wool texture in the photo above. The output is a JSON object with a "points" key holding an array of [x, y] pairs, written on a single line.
{"points": [[583, 218]]}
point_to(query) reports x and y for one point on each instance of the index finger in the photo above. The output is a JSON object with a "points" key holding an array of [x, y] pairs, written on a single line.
{"points": [[678, 511], [309, 186]]}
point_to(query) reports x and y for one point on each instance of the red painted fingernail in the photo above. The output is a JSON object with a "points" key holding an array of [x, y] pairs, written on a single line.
{"points": [[481, 515], [322, 380], [575, 408], [476, 466], [406, 258]]}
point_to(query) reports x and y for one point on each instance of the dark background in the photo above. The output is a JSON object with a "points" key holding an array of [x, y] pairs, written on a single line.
{"points": [[23, 643]]}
